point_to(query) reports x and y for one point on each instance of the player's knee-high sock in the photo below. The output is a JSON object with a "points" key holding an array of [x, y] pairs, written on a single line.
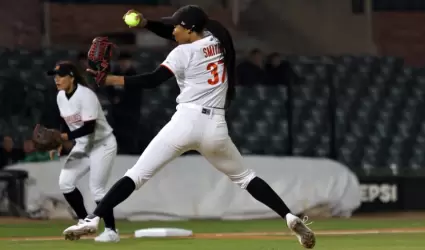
{"points": [[262, 192], [120, 191], [109, 218], [76, 201]]}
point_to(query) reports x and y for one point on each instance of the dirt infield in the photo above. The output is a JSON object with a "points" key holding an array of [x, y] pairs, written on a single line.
{"points": [[253, 235]]}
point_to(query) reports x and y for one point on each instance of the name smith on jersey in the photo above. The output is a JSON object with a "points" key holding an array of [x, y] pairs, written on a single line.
{"points": [[211, 50]]}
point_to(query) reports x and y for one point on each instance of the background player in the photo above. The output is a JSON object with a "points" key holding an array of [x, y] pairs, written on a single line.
{"points": [[95, 149], [204, 67]]}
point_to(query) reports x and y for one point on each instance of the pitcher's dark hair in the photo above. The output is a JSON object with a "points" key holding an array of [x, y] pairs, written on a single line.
{"points": [[229, 55]]}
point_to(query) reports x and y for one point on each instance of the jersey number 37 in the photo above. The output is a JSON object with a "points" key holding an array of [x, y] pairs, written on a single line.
{"points": [[213, 69]]}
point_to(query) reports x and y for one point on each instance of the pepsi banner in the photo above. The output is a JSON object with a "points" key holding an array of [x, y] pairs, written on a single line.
{"points": [[391, 194], [381, 194]]}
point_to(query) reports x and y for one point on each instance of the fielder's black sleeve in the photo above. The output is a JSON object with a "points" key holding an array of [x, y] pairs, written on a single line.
{"points": [[150, 80], [63, 127], [86, 129], [161, 29]]}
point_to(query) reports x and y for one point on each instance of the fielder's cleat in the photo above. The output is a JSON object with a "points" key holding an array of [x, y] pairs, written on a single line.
{"points": [[304, 234], [85, 227], [108, 235], [72, 236]]}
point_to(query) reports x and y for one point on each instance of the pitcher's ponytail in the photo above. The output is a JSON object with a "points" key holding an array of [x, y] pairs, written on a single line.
{"points": [[229, 55]]}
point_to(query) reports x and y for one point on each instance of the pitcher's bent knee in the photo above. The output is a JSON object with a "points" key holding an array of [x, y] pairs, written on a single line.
{"points": [[66, 186], [138, 177], [243, 179]]}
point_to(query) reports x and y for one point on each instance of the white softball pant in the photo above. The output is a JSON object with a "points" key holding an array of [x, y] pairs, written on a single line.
{"points": [[193, 127], [99, 161]]}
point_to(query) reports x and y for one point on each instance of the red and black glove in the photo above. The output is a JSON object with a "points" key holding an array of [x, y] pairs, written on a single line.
{"points": [[99, 58]]}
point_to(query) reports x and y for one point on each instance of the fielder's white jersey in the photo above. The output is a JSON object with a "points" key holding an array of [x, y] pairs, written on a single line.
{"points": [[200, 72], [82, 106]]}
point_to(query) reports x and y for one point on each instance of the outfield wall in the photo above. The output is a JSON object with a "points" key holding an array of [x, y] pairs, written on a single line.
{"points": [[190, 187]]}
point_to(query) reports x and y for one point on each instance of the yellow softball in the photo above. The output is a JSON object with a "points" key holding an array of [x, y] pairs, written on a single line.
{"points": [[132, 19]]}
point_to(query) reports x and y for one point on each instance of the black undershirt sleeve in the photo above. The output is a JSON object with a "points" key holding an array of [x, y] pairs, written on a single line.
{"points": [[63, 127], [149, 80], [87, 128], [160, 29]]}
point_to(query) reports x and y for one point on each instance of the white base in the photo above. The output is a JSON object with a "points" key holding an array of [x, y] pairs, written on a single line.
{"points": [[162, 232]]}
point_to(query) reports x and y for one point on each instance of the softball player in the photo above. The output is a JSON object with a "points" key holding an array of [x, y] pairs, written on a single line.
{"points": [[204, 67], [95, 148]]}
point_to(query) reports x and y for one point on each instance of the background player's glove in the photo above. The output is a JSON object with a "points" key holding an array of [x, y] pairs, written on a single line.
{"points": [[99, 58], [46, 139]]}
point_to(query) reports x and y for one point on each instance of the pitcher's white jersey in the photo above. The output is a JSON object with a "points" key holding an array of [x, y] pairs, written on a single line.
{"points": [[200, 72], [83, 106]]}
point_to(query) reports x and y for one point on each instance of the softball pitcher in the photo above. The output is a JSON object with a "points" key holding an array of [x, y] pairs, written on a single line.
{"points": [[204, 66], [95, 148]]}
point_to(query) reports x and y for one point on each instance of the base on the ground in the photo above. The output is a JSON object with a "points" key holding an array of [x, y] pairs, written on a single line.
{"points": [[162, 232]]}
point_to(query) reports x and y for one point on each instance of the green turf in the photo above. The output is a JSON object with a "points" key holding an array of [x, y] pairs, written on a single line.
{"points": [[48, 228], [371, 242], [349, 242]]}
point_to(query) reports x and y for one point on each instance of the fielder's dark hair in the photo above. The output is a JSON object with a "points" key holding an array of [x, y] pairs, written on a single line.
{"points": [[229, 55], [80, 76]]}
